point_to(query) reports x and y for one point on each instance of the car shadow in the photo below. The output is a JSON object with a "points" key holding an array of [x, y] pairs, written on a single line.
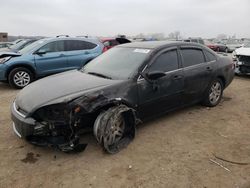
{"points": [[5, 87], [243, 77]]}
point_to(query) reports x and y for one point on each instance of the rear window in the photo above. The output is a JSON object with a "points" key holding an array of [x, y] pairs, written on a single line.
{"points": [[192, 57], [74, 45]]}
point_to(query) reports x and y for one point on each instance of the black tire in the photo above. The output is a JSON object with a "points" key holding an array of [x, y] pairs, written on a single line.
{"points": [[114, 128], [213, 96], [226, 50], [25, 77]]}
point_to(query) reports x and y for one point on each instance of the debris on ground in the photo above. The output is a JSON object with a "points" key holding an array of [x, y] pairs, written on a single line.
{"points": [[220, 165], [229, 161]]}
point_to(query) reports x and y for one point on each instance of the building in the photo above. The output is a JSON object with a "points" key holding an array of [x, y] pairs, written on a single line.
{"points": [[3, 37]]}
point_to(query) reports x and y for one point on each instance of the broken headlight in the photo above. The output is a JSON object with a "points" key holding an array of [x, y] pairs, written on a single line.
{"points": [[3, 60], [54, 113]]}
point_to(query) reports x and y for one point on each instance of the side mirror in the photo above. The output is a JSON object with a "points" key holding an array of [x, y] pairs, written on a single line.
{"points": [[41, 52], [155, 75]]}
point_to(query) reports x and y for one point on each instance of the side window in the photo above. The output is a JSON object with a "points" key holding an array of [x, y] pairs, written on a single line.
{"points": [[114, 43], [192, 56], [74, 45], [168, 61], [209, 56], [57, 46]]}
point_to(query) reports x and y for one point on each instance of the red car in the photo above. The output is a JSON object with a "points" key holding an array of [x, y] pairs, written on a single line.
{"points": [[111, 42], [216, 47]]}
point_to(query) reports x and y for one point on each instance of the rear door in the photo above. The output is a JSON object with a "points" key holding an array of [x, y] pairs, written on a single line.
{"points": [[53, 60], [197, 73], [79, 52], [165, 93]]}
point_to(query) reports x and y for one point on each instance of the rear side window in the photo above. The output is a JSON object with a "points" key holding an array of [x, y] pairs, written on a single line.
{"points": [[114, 43], [168, 61], [192, 57], [74, 45], [209, 56], [56, 46]]}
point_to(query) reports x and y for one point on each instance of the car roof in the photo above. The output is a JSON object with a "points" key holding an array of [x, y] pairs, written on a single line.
{"points": [[157, 44], [93, 40]]}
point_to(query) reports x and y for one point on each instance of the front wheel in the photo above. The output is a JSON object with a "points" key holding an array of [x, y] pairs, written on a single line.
{"points": [[226, 50], [114, 128], [214, 94], [20, 77]]}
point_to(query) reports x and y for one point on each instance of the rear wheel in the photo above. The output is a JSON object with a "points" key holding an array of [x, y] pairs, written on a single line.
{"points": [[20, 77], [213, 94]]}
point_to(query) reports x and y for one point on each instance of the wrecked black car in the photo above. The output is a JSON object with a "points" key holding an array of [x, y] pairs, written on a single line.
{"points": [[117, 90]]}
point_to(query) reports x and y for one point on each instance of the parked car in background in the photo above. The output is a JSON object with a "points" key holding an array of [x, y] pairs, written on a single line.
{"points": [[241, 57], [16, 41], [232, 45], [217, 47], [45, 57], [16, 47], [196, 40], [111, 42], [5, 44], [125, 85]]}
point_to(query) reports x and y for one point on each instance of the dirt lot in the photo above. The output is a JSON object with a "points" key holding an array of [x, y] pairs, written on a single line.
{"points": [[172, 151]]}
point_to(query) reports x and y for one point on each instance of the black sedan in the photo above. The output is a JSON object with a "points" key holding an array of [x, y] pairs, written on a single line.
{"points": [[118, 89]]}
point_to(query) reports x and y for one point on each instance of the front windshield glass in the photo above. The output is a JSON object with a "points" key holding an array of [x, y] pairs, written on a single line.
{"points": [[30, 47], [247, 44], [18, 45], [117, 63]]}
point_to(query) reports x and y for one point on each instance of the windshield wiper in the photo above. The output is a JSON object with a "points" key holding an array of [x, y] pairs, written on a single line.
{"points": [[100, 75]]}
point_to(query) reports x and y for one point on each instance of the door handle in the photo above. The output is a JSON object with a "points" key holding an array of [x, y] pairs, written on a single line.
{"points": [[177, 77], [209, 69], [61, 55]]}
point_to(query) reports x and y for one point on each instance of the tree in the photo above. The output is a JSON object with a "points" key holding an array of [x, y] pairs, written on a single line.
{"points": [[175, 35]]}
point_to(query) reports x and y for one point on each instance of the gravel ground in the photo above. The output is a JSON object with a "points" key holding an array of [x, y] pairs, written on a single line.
{"points": [[174, 150]]}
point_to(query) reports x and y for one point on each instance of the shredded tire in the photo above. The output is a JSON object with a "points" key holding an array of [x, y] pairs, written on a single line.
{"points": [[106, 123]]}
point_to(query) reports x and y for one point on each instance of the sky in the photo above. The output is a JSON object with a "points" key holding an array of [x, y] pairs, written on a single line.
{"points": [[193, 18]]}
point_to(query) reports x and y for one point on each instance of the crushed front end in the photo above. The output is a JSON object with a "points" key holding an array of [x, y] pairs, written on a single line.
{"points": [[242, 64], [55, 125]]}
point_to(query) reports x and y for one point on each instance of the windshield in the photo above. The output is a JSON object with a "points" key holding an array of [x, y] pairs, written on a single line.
{"points": [[30, 47], [19, 45], [117, 63], [247, 44]]}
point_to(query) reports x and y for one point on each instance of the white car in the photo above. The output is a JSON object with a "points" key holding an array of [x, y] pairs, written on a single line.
{"points": [[241, 57]]}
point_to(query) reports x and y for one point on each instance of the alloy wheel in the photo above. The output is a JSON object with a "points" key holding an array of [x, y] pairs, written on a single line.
{"points": [[215, 93], [21, 79]]}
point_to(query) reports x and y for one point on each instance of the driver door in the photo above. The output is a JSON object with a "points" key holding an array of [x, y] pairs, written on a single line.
{"points": [[51, 58], [165, 93]]}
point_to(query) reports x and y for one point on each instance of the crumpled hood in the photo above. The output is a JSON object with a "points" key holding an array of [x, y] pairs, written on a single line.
{"points": [[59, 88], [9, 54], [243, 51]]}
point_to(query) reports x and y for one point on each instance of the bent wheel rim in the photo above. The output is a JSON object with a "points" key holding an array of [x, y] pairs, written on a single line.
{"points": [[21, 78], [116, 131], [215, 93]]}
